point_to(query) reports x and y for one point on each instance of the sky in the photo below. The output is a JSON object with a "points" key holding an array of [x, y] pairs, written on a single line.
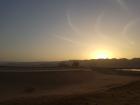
{"points": [[49, 30]]}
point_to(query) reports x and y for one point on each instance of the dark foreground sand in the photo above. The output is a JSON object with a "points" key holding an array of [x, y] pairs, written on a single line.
{"points": [[89, 88]]}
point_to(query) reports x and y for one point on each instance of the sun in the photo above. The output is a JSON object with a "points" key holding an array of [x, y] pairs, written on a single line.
{"points": [[101, 54]]}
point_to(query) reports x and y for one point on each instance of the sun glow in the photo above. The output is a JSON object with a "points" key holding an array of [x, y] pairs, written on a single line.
{"points": [[101, 54]]}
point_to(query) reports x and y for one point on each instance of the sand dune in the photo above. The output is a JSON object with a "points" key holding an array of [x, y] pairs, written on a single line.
{"points": [[54, 85]]}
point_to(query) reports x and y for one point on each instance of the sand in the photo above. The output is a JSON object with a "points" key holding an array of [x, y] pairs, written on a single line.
{"points": [[67, 88]]}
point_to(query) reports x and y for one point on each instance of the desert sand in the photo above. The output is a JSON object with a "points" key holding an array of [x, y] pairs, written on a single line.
{"points": [[68, 88]]}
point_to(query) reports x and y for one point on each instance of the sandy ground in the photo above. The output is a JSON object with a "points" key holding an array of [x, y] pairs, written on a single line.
{"points": [[63, 88]]}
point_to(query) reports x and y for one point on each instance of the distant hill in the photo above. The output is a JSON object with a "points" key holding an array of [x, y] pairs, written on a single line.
{"points": [[101, 63]]}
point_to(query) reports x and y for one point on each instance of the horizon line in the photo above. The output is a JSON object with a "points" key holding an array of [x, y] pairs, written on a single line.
{"points": [[65, 60]]}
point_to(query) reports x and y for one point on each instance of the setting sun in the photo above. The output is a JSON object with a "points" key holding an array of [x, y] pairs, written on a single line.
{"points": [[101, 54]]}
